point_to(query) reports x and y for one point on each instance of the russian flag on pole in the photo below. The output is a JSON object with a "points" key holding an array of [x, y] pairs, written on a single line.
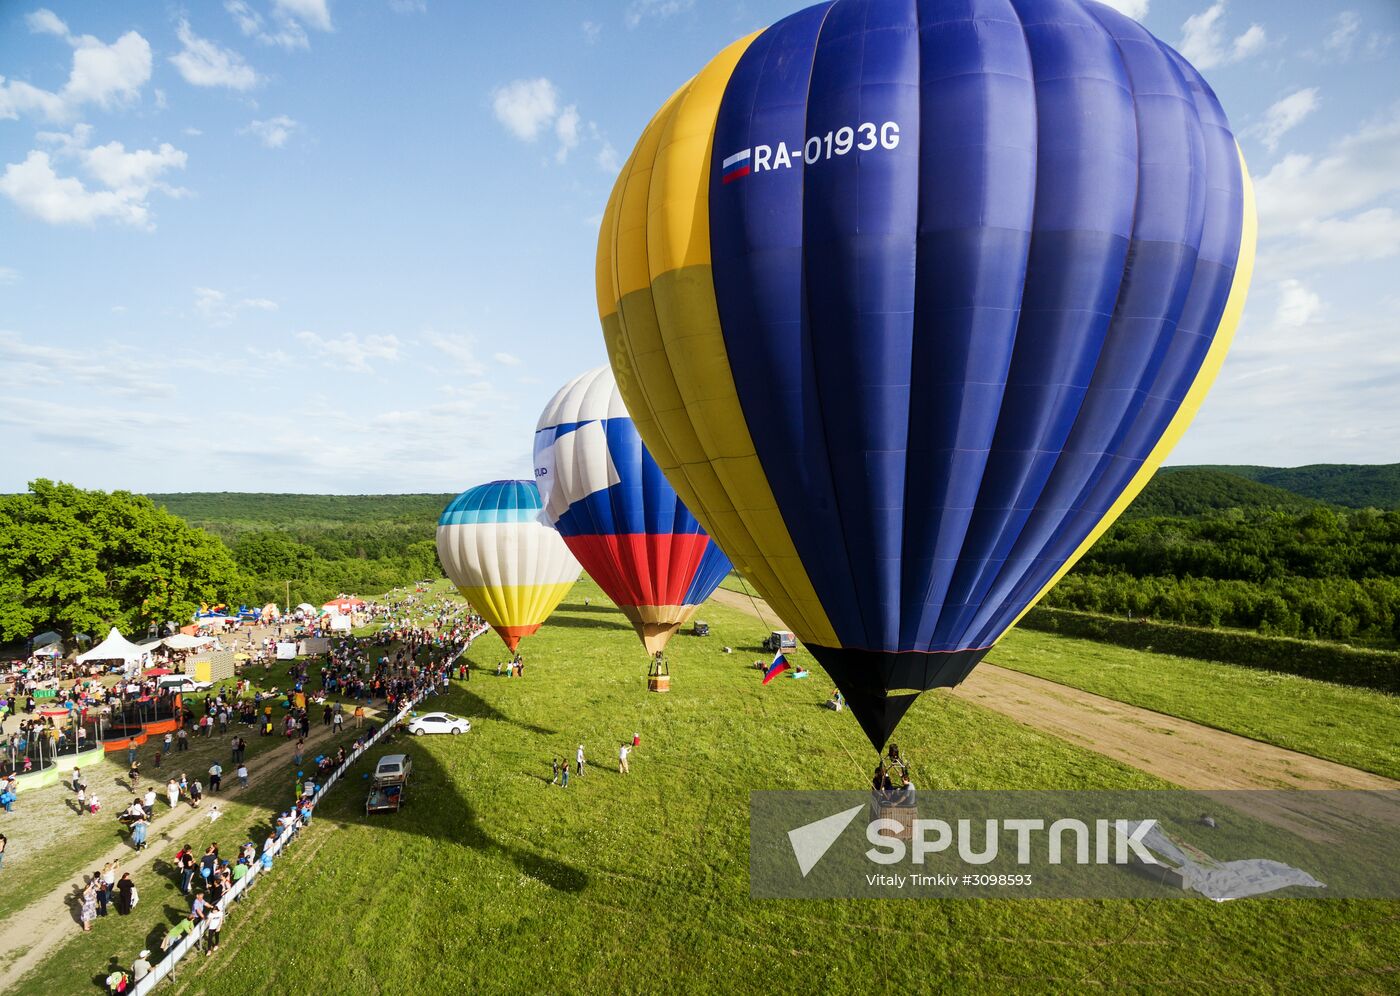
{"points": [[779, 665]]}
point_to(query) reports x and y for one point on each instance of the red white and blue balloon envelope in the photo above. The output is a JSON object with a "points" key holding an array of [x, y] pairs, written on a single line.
{"points": [[618, 514]]}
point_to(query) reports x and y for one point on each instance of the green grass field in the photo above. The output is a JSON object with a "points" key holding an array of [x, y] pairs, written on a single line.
{"points": [[491, 880], [1354, 726]]}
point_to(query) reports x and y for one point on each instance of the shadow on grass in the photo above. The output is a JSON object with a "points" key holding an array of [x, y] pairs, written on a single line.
{"points": [[431, 779], [568, 621], [473, 707]]}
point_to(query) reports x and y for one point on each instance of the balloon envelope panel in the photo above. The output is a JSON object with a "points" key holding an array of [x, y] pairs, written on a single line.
{"points": [[910, 298], [617, 512], [511, 567]]}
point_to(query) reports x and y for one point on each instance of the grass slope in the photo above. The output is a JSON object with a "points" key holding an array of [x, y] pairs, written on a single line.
{"points": [[1354, 726], [492, 880]]}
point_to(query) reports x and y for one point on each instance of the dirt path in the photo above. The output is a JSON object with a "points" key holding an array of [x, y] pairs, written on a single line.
{"points": [[1186, 753], [33, 933]]}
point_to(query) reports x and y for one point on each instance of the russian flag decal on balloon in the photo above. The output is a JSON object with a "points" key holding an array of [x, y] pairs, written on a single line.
{"points": [[736, 166], [618, 514]]}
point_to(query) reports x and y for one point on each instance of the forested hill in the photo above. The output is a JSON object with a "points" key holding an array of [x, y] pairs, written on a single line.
{"points": [[1346, 484], [1192, 491], [229, 513]]}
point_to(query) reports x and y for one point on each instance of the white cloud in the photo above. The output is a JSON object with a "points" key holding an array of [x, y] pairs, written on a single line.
{"points": [[285, 26], [106, 75], [114, 368], [506, 359], [141, 169], [607, 158], [350, 352], [1284, 115], [640, 10], [460, 349], [37, 189], [1297, 304], [1317, 211], [8, 275], [45, 22], [591, 31], [313, 13], [1204, 41], [205, 63], [217, 309], [1344, 35], [274, 132], [566, 129], [526, 107], [1136, 9]]}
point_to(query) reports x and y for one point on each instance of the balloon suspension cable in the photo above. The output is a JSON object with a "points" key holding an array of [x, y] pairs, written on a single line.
{"points": [[753, 599], [763, 618]]}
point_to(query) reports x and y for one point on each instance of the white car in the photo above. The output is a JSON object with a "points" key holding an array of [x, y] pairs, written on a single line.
{"points": [[439, 722], [185, 685]]}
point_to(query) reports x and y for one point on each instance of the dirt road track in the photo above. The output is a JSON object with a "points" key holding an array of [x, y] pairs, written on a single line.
{"points": [[1186, 753]]}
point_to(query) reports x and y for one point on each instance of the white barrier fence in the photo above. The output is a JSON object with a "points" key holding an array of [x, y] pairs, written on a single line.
{"points": [[190, 942]]}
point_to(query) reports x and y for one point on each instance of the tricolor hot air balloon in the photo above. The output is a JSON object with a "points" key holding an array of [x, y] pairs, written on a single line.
{"points": [[909, 299], [618, 514], [511, 567]]}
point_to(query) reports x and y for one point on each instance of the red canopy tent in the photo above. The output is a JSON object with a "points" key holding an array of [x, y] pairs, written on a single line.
{"points": [[344, 604], [156, 672]]}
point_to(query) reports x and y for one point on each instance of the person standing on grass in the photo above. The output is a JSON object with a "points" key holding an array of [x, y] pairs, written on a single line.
{"points": [[141, 967], [82, 798], [216, 777], [87, 911], [564, 775], [298, 751], [167, 743], [126, 894], [184, 738], [337, 723], [77, 779], [213, 923], [132, 774], [622, 753], [555, 779], [580, 760]]}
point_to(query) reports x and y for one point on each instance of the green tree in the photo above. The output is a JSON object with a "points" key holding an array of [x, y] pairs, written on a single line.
{"points": [[79, 561]]}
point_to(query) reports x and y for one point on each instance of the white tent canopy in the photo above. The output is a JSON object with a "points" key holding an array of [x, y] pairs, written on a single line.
{"points": [[183, 641], [115, 648]]}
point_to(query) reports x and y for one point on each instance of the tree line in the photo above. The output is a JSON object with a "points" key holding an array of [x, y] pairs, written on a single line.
{"points": [[1320, 574]]}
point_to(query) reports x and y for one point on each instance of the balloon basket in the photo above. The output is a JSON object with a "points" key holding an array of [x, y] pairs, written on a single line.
{"points": [[659, 675], [904, 815]]}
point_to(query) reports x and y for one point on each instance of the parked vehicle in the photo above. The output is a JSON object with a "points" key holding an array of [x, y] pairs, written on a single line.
{"points": [[388, 784], [439, 722], [780, 639]]}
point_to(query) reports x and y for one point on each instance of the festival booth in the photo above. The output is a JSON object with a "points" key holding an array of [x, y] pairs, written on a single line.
{"points": [[117, 648]]}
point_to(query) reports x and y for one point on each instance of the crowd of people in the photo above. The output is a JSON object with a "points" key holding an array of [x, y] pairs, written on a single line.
{"points": [[398, 666]]}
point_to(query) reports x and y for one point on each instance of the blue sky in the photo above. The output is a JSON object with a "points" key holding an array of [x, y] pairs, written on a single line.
{"points": [[309, 245]]}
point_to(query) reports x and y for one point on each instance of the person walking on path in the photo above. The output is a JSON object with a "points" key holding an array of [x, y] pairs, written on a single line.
{"points": [[622, 753], [132, 774], [138, 833], [242, 775], [172, 793], [580, 760], [216, 777]]}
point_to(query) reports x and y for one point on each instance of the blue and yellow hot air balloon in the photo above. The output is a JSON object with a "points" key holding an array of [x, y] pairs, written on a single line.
{"points": [[511, 567], [910, 298], [618, 514]]}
